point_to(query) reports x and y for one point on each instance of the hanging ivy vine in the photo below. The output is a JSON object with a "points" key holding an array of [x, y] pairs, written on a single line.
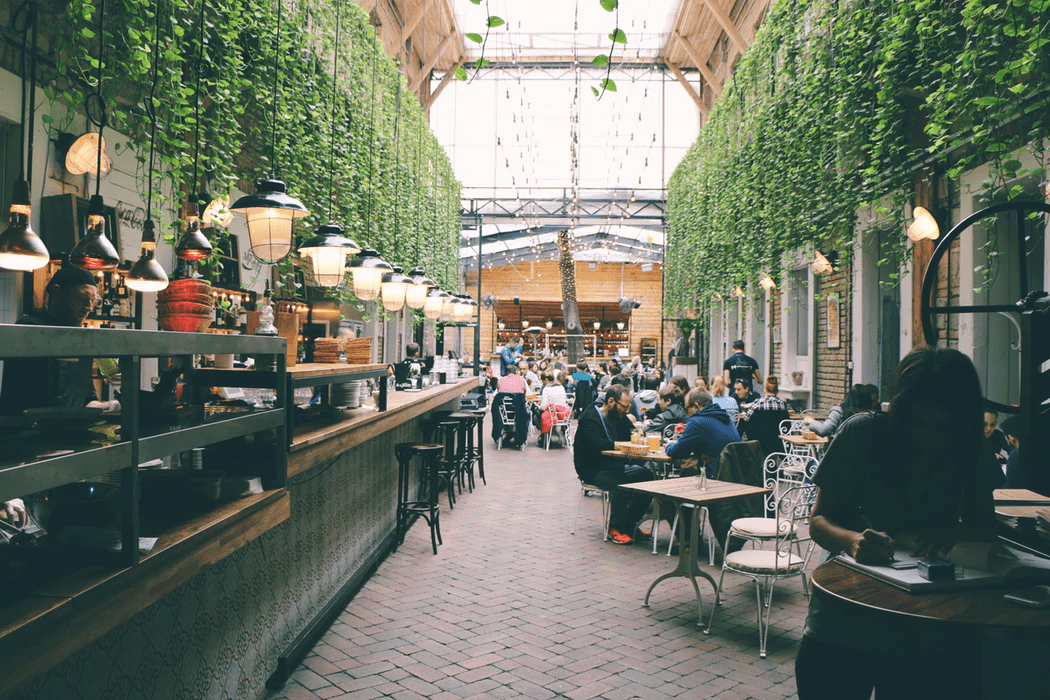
{"points": [[841, 105], [237, 113]]}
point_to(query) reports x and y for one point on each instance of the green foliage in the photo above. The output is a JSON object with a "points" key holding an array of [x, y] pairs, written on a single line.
{"points": [[841, 105], [236, 109]]}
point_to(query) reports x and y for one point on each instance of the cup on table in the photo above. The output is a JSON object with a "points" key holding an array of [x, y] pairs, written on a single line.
{"points": [[654, 443]]}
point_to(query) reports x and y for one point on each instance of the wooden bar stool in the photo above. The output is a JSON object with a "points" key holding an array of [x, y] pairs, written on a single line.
{"points": [[478, 450], [465, 447], [425, 505]]}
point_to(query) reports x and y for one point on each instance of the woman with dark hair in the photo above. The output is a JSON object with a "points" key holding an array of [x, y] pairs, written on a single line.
{"points": [[858, 399], [672, 409], [914, 475]]}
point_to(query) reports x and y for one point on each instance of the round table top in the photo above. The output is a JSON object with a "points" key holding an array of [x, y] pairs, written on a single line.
{"points": [[981, 607]]}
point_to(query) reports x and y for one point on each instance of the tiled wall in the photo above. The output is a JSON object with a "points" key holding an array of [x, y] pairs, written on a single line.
{"points": [[219, 635]]}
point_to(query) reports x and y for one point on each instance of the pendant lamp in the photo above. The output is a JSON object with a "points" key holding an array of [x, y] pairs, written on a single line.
{"points": [[393, 289], [767, 283], [270, 211], [448, 308], [416, 294], [923, 226], [20, 248], [367, 270], [193, 244], [434, 304], [328, 249], [217, 212], [81, 157], [94, 251]]}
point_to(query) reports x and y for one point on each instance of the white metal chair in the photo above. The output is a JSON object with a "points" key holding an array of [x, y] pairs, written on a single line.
{"points": [[764, 566], [506, 413], [562, 423], [791, 426], [606, 507]]}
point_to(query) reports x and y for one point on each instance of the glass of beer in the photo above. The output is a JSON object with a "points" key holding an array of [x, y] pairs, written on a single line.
{"points": [[654, 443]]}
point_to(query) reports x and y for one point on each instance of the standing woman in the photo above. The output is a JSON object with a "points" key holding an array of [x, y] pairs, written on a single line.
{"points": [[918, 470]]}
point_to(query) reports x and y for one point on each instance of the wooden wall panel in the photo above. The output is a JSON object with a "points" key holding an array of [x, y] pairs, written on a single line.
{"points": [[539, 281]]}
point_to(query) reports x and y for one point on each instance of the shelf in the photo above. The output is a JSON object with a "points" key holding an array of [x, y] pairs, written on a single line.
{"points": [[208, 431], [55, 341], [17, 480]]}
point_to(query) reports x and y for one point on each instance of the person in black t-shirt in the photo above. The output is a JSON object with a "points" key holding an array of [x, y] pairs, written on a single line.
{"points": [[741, 367]]}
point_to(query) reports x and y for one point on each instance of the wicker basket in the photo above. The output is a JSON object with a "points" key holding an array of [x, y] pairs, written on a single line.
{"points": [[189, 297], [186, 323], [184, 307], [632, 449]]}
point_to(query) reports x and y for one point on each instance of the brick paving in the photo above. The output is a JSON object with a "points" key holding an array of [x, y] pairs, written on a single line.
{"points": [[513, 606]]}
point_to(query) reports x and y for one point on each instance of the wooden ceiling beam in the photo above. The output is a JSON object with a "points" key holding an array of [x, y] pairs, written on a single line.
{"points": [[431, 62], [689, 89], [701, 65], [432, 97], [727, 25], [413, 24]]}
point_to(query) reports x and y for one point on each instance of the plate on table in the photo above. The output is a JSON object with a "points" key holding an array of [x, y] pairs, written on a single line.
{"points": [[64, 417]]}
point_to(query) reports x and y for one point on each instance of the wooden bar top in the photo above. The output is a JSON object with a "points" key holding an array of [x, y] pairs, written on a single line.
{"points": [[312, 445], [983, 607]]}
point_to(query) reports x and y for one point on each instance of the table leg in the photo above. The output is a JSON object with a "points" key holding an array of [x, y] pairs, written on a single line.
{"points": [[688, 567]]}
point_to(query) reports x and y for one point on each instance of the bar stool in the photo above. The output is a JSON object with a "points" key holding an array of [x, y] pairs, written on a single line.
{"points": [[478, 451], [465, 447], [427, 505], [429, 424], [445, 430]]}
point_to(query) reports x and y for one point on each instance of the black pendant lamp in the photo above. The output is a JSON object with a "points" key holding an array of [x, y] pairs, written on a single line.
{"points": [[94, 251], [147, 275], [193, 244], [328, 249], [20, 247], [270, 211]]}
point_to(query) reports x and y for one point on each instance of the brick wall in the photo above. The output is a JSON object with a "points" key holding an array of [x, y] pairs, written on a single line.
{"points": [[777, 346], [947, 325], [832, 365]]}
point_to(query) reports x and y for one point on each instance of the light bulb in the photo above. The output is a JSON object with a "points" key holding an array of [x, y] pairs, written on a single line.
{"points": [[923, 225]]}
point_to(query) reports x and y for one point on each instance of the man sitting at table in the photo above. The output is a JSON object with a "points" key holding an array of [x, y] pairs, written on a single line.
{"points": [[512, 382], [597, 430], [745, 395], [707, 431]]}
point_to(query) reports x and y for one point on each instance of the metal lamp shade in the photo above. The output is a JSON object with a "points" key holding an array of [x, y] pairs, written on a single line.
{"points": [[94, 251], [393, 289], [193, 244], [367, 270], [270, 213], [147, 275], [20, 248], [327, 252], [434, 304], [82, 156]]}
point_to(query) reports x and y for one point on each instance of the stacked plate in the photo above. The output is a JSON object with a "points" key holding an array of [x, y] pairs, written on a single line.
{"points": [[347, 394]]}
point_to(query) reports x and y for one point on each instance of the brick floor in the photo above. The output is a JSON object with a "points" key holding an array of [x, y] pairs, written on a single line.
{"points": [[513, 606]]}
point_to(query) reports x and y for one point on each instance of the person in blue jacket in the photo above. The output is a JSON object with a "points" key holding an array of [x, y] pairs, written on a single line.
{"points": [[507, 357], [707, 432]]}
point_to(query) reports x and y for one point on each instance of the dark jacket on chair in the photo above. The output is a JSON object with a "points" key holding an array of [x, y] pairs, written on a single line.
{"points": [[739, 463], [521, 415], [764, 426], [591, 439], [584, 396]]}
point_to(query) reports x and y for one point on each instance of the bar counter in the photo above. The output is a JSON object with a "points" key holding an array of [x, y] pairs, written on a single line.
{"points": [[232, 599]]}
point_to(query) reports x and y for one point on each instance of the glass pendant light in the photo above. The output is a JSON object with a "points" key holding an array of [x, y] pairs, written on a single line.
{"points": [[94, 251], [81, 157], [416, 294], [465, 308], [434, 304], [923, 225], [20, 247], [270, 211], [393, 289], [327, 252], [448, 308], [217, 212], [367, 270], [329, 248]]}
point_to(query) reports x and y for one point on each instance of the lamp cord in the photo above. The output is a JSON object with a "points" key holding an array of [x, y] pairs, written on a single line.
{"points": [[151, 110], [197, 104], [98, 96], [331, 141], [25, 12], [371, 136], [276, 73], [397, 167]]}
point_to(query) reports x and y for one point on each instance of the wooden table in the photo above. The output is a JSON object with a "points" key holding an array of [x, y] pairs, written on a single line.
{"points": [[660, 456], [804, 445], [685, 491], [971, 613]]}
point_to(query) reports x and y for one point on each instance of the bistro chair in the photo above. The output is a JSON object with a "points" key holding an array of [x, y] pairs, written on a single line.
{"points": [[586, 488], [767, 566], [781, 471], [791, 426], [561, 416]]}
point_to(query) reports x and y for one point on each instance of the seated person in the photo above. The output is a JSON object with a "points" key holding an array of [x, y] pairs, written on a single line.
{"points": [[412, 351], [553, 393], [722, 397], [1015, 477], [858, 399], [597, 430], [581, 374], [745, 395], [672, 410], [681, 382], [645, 399], [707, 431], [996, 437], [532, 380], [512, 382], [916, 469], [768, 401], [700, 383]]}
